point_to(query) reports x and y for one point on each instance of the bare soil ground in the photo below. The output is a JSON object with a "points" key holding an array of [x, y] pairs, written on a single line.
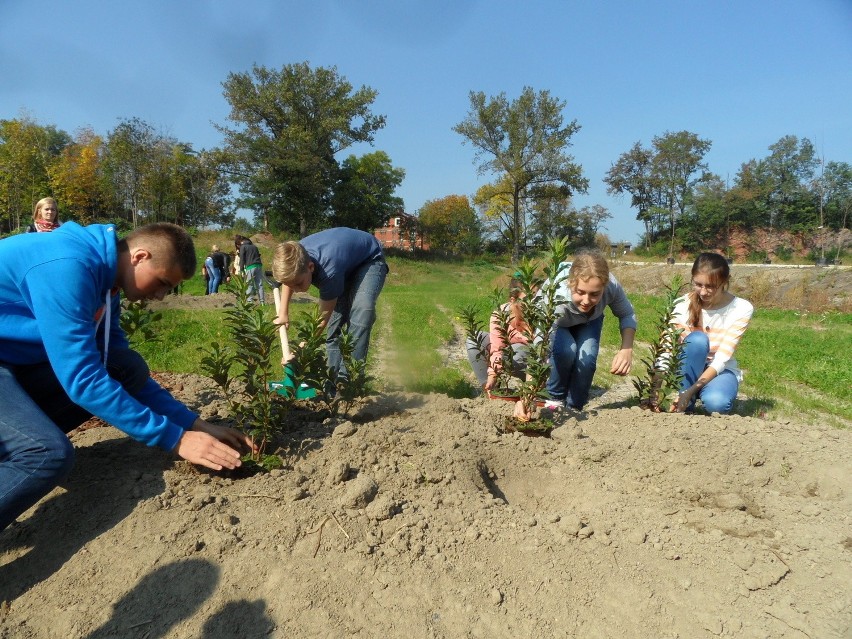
{"points": [[416, 516]]}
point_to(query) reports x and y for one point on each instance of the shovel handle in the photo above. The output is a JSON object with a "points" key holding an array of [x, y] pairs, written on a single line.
{"points": [[282, 330]]}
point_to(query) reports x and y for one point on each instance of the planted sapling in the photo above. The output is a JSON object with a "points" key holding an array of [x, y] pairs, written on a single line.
{"points": [[660, 387], [252, 361], [138, 321], [476, 333], [309, 365], [539, 307]]}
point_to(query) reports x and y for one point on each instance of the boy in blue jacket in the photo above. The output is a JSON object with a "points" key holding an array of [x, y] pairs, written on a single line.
{"points": [[64, 356]]}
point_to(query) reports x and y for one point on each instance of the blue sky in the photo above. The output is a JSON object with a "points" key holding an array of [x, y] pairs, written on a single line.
{"points": [[741, 73]]}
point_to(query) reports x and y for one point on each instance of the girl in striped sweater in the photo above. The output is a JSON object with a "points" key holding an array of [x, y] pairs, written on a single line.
{"points": [[713, 321]]}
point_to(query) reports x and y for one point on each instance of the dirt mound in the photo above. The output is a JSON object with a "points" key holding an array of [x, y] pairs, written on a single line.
{"points": [[417, 517]]}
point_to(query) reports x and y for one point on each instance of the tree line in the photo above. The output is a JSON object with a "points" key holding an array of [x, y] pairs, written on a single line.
{"points": [[282, 158], [686, 207]]}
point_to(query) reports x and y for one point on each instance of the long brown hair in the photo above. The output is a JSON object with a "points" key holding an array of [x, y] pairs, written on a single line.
{"points": [[716, 269]]}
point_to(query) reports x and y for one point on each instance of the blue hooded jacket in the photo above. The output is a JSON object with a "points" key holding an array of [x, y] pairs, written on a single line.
{"points": [[54, 288]]}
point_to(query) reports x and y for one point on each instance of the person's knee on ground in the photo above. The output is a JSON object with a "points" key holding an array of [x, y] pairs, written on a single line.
{"points": [[477, 358], [716, 402], [36, 469]]}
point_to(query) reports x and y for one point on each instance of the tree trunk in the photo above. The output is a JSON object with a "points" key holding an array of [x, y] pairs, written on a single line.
{"points": [[671, 241], [516, 227]]}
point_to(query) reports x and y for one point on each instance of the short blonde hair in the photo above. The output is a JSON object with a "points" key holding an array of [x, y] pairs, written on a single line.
{"points": [[586, 265], [41, 204], [290, 261]]}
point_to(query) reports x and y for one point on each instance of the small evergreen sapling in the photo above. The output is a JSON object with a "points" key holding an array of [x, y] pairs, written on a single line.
{"points": [[660, 387], [253, 361], [539, 308]]}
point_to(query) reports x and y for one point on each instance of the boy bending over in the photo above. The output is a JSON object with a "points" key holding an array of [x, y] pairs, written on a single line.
{"points": [[64, 356], [349, 269]]}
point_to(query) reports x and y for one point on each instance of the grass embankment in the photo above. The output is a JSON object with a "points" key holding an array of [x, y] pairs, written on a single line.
{"points": [[795, 365]]}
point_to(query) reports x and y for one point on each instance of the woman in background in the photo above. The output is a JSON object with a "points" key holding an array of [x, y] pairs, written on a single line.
{"points": [[45, 216]]}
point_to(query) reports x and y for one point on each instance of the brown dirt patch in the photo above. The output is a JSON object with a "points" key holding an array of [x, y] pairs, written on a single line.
{"points": [[416, 517]]}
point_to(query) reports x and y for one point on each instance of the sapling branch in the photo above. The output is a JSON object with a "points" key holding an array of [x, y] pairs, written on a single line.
{"points": [[660, 388]]}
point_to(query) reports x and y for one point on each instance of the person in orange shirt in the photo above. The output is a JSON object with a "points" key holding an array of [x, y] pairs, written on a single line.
{"points": [[487, 370]]}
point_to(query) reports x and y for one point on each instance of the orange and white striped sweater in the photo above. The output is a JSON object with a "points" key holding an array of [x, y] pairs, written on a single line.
{"points": [[724, 327]]}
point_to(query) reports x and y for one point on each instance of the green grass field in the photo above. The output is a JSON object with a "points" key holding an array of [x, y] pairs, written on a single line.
{"points": [[795, 365]]}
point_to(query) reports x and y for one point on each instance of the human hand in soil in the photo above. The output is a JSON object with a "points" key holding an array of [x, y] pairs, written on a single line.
{"points": [[489, 383], [521, 413], [684, 400], [622, 362], [213, 446]]}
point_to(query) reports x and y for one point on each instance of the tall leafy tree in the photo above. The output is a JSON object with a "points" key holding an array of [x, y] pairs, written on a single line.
{"points": [[364, 196], [129, 162], [496, 207], [77, 178], [450, 224], [633, 174], [205, 190], [552, 218], [790, 168], [660, 179], [838, 194], [590, 220], [287, 127], [677, 158], [525, 142]]}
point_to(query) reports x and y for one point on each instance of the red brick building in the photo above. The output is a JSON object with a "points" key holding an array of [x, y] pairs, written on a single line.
{"points": [[402, 232]]}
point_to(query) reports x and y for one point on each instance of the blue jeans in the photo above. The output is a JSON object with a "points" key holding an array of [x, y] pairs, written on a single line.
{"points": [[35, 414], [214, 281], [573, 361], [254, 276], [356, 310], [719, 394], [480, 364]]}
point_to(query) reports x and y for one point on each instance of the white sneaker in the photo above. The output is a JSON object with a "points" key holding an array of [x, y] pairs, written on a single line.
{"points": [[553, 404]]}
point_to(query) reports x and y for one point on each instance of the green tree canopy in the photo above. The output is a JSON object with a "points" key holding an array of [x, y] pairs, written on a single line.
{"points": [[288, 125], [524, 142], [450, 224], [364, 196]]}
